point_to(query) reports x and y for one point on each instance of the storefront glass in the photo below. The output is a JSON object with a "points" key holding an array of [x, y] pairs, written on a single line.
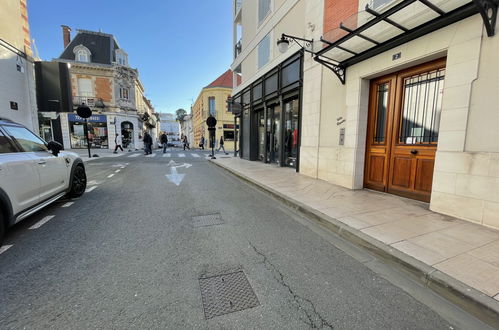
{"points": [[97, 131], [291, 121], [127, 134], [261, 135]]}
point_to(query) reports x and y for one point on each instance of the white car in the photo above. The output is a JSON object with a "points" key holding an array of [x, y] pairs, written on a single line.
{"points": [[33, 174]]}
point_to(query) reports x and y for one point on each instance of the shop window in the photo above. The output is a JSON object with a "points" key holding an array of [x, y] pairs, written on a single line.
{"points": [[229, 135], [263, 9], [290, 73], [257, 91], [264, 51], [271, 84]]}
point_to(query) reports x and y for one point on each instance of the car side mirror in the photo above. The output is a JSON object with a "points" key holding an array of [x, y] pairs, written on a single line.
{"points": [[55, 147]]}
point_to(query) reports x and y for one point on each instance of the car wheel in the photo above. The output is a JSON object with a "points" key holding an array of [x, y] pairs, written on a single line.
{"points": [[79, 182]]}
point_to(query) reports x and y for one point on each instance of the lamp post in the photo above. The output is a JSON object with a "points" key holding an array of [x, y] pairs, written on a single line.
{"points": [[212, 122]]}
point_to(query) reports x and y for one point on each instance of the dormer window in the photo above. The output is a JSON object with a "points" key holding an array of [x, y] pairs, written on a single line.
{"points": [[82, 54], [121, 57]]}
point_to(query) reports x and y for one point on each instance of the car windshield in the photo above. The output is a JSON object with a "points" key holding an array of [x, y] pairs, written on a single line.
{"points": [[28, 141]]}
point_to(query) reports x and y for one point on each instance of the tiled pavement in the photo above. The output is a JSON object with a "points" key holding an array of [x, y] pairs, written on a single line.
{"points": [[460, 249]]}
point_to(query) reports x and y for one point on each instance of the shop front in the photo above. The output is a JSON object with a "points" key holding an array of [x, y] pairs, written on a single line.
{"points": [[97, 131], [270, 115]]}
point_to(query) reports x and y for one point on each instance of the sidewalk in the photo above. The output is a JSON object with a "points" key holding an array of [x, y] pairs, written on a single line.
{"points": [[456, 258]]}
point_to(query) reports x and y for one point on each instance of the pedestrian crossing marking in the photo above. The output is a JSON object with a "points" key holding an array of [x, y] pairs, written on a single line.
{"points": [[134, 155], [167, 155], [181, 155], [195, 155], [151, 155]]}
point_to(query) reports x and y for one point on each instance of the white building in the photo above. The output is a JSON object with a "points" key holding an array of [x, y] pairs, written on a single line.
{"points": [[169, 124], [17, 78], [187, 129]]}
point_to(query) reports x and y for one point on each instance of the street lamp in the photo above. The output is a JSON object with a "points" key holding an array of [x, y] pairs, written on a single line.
{"points": [[283, 43]]}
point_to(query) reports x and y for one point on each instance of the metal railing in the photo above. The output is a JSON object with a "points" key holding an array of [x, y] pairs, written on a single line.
{"points": [[238, 48], [87, 100]]}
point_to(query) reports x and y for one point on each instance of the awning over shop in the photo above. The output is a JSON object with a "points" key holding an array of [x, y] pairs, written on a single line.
{"points": [[370, 32]]}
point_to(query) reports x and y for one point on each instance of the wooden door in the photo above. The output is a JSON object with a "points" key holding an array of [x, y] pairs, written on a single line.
{"points": [[402, 134]]}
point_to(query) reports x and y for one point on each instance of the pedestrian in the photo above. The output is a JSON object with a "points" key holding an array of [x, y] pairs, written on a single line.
{"points": [[164, 141], [201, 144], [186, 143], [221, 145], [117, 141], [147, 143]]}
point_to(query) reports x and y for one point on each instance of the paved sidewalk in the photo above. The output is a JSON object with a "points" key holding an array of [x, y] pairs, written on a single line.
{"points": [[439, 248]]}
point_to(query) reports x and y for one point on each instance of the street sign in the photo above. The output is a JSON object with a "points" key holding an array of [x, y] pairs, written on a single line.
{"points": [[83, 111], [211, 121]]}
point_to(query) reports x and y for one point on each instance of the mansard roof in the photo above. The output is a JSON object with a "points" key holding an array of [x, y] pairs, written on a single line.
{"points": [[102, 46]]}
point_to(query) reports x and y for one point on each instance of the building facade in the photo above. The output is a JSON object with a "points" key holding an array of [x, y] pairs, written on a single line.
{"points": [[170, 126], [187, 129], [213, 101], [101, 79], [17, 76], [399, 98]]}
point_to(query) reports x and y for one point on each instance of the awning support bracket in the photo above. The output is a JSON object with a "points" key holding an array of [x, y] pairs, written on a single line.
{"points": [[488, 11], [337, 69]]}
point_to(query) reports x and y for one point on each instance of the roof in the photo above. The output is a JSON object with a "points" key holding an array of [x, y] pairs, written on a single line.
{"points": [[225, 80], [102, 46]]}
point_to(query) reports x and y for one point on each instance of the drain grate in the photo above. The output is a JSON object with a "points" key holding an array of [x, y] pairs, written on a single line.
{"points": [[207, 220], [227, 293]]}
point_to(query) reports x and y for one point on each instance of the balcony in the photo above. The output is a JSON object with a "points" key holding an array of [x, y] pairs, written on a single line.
{"points": [[90, 101]]}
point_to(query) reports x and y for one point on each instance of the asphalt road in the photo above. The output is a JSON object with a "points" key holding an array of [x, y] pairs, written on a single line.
{"points": [[128, 254]]}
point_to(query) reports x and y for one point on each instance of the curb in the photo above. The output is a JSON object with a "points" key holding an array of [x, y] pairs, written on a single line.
{"points": [[473, 301]]}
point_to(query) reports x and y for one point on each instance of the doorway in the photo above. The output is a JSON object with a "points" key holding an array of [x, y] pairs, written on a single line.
{"points": [[402, 132], [273, 134]]}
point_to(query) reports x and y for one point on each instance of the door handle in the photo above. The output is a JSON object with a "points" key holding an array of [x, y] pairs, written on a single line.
{"points": [[42, 162], [414, 151]]}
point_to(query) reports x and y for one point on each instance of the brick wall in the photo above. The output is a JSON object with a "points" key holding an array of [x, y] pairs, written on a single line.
{"points": [[103, 89], [336, 11]]}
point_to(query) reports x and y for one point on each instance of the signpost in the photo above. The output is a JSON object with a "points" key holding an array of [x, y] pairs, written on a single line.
{"points": [[84, 112], [212, 122]]}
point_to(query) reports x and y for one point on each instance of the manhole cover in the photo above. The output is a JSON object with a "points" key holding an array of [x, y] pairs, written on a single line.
{"points": [[227, 293], [207, 220]]}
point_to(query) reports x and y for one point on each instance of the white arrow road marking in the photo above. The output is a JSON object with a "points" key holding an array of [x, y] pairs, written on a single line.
{"points": [[181, 155], [167, 155], [195, 155], [151, 155], [42, 222], [4, 248], [174, 177]]}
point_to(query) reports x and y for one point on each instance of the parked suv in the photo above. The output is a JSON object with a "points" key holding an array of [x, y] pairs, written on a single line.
{"points": [[33, 173]]}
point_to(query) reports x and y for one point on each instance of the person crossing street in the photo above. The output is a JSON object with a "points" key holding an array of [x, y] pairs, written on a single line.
{"points": [[164, 141], [147, 143], [221, 145], [117, 142]]}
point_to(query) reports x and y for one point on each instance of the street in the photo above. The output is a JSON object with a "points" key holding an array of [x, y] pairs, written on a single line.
{"points": [[132, 252]]}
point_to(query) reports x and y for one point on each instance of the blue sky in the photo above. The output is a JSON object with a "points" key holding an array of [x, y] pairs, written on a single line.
{"points": [[178, 46]]}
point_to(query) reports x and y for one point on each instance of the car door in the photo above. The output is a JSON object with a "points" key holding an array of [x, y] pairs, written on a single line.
{"points": [[19, 177], [53, 170]]}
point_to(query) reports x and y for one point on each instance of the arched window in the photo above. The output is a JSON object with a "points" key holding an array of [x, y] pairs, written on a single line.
{"points": [[82, 53]]}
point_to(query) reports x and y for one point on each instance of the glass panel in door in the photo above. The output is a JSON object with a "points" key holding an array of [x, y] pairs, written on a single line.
{"points": [[291, 117], [276, 130], [261, 135]]}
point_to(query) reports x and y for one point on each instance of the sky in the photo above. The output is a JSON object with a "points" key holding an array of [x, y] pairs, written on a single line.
{"points": [[178, 46]]}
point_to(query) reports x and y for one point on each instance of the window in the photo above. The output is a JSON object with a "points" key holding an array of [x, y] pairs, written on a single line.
{"points": [[211, 106], [28, 141], [5, 145], [85, 87], [264, 51], [124, 93], [376, 4], [229, 135], [83, 57], [82, 53], [263, 9]]}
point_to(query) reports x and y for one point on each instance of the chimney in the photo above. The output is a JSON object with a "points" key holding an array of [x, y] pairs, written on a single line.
{"points": [[66, 35]]}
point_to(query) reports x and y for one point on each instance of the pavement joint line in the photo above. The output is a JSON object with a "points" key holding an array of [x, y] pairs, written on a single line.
{"points": [[473, 301], [68, 204], [5, 248], [42, 222], [90, 189]]}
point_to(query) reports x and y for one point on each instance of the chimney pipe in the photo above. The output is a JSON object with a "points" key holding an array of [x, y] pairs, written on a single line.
{"points": [[66, 35]]}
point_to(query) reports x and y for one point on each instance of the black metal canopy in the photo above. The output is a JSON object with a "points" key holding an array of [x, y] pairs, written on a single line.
{"points": [[370, 32]]}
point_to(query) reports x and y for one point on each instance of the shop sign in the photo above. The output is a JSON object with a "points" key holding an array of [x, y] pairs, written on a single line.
{"points": [[91, 119]]}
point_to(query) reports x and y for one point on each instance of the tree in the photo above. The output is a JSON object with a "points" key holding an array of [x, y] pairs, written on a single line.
{"points": [[181, 113]]}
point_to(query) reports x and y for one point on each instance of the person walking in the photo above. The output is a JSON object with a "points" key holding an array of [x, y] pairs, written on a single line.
{"points": [[186, 143], [117, 142], [147, 143], [164, 141], [221, 145], [201, 144]]}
